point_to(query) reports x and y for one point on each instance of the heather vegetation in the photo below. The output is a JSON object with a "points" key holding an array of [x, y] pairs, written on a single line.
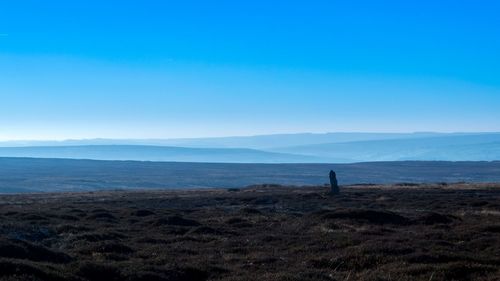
{"points": [[398, 232]]}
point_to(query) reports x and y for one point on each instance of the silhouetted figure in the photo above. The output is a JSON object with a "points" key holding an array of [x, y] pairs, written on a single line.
{"points": [[334, 183]]}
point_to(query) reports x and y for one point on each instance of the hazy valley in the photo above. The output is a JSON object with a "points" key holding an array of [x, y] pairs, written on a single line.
{"points": [[293, 148]]}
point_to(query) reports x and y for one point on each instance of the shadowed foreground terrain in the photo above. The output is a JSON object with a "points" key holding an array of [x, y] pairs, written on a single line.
{"points": [[399, 232]]}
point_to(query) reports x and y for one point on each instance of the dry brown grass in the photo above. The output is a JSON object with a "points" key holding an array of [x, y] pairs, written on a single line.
{"points": [[425, 232]]}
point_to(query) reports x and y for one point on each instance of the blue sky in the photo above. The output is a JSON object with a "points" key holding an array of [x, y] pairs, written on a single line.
{"points": [[157, 69]]}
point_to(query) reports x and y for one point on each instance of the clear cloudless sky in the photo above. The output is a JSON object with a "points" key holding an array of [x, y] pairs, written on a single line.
{"points": [[160, 69]]}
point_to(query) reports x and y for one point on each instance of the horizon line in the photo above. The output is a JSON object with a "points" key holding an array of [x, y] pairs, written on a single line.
{"points": [[242, 136]]}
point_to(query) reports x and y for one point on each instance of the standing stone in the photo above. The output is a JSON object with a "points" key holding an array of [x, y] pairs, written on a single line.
{"points": [[334, 183]]}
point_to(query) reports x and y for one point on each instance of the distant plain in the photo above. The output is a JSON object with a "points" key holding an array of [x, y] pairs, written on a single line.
{"points": [[58, 175]]}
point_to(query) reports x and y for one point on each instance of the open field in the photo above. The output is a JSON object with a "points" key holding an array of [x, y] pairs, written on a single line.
{"points": [[55, 175], [398, 232]]}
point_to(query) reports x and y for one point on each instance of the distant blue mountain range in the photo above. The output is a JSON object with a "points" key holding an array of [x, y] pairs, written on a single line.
{"points": [[157, 153], [255, 142], [446, 148], [285, 148]]}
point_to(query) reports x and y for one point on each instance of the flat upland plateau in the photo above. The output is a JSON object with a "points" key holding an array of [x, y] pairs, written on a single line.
{"points": [[397, 232]]}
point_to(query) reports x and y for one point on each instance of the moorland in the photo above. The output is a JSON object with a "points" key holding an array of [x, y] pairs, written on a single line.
{"points": [[267, 232], [18, 175]]}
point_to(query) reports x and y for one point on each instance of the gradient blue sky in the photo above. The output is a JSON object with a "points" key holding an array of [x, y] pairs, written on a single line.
{"points": [[157, 69]]}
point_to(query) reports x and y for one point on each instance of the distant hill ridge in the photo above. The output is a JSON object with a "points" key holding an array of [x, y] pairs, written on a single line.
{"points": [[156, 153], [283, 148], [257, 142], [484, 147]]}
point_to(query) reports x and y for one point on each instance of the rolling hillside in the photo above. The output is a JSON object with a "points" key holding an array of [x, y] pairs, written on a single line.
{"points": [[286, 148], [156, 153], [449, 148]]}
